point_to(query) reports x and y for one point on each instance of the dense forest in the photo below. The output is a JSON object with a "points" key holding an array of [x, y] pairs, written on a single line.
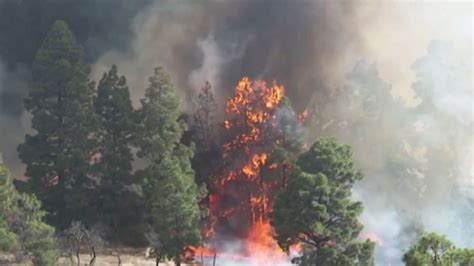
{"points": [[103, 172]]}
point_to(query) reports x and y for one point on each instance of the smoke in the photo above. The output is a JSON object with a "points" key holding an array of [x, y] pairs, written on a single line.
{"points": [[13, 122], [369, 73], [230, 255], [417, 159], [296, 44]]}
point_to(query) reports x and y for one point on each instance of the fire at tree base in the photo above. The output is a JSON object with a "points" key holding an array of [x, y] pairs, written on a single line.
{"points": [[260, 134]]}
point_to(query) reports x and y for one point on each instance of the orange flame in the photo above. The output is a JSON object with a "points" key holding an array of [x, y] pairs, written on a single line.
{"points": [[372, 237], [252, 110], [252, 168], [303, 116], [262, 246]]}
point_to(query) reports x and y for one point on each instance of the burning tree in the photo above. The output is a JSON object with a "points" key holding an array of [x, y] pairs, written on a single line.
{"points": [[260, 140]]}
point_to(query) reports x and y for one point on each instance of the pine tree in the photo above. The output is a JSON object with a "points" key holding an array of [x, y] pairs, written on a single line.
{"points": [[160, 129], [21, 223], [204, 119], [58, 154], [436, 250], [36, 237], [114, 109], [316, 209], [203, 134], [170, 193]]}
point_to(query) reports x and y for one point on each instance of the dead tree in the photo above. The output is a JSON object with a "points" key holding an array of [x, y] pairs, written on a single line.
{"points": [[204, 118], [94, 241], [77, 236], [72, 239]]}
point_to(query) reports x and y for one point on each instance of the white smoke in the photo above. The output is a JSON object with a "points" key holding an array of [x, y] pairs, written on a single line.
{"points": [[14, 123]]}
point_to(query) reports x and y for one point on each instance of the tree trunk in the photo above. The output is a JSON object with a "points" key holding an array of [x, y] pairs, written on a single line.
{"points": [[119, 259], [158, 258], [71, 258], [177, 261], [78, 258], [93, 256]]}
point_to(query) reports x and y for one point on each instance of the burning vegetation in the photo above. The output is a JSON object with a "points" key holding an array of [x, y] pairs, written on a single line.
{"points": [[259, 131], [245, 190]]}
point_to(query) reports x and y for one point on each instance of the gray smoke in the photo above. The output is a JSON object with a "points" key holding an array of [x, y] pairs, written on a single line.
{"points": [[366, 71], [298, 44], [407, 115], [14, 123], [417, 160]]}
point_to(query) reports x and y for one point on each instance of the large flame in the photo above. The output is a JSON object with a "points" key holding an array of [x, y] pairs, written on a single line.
{"points": [[261, 245], [241, 197]]}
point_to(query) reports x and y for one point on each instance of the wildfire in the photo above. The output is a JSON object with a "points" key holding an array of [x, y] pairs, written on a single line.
{"points": [[241, 197], [302, 116], [252, 168], [372, 236], [260, 241]]}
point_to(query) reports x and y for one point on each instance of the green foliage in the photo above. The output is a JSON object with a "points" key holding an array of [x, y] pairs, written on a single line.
{"points": [[114, 166], [316, 209], [462, 256], [436, 250], [36, 237], [160, 128], [58, 155], [6, 188], [8, 239], [169, 192], [21, 223]]}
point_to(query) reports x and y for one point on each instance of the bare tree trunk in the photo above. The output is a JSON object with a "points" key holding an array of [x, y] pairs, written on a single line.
{"points": [[202, 259], [78, 258], [214, 260], [93, 256], [158, 258], [119, 259], [71, 258], [177, 261]]}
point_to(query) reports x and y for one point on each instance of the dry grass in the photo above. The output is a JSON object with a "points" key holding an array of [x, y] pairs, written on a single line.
{"points": [[128, 256]]}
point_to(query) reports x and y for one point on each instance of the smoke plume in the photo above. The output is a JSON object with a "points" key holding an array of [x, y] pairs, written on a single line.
{"points": [[392, 79]]}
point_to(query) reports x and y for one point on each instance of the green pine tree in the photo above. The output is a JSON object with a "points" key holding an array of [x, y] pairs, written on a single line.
{"points": [[36, 237], [58, 154], [316, 209], [170, 193], [436, 250], [115, 112], [21, 224]]}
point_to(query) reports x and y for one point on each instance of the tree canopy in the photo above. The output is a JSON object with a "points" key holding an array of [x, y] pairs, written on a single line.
{"points": [[58, 154], [21, 224], [170, 193], [113, 166], [316, 210], [436, 250]]}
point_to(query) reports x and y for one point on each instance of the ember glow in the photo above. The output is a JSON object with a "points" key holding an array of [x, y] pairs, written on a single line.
{"points": [[372, 236], [243, 190]]}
